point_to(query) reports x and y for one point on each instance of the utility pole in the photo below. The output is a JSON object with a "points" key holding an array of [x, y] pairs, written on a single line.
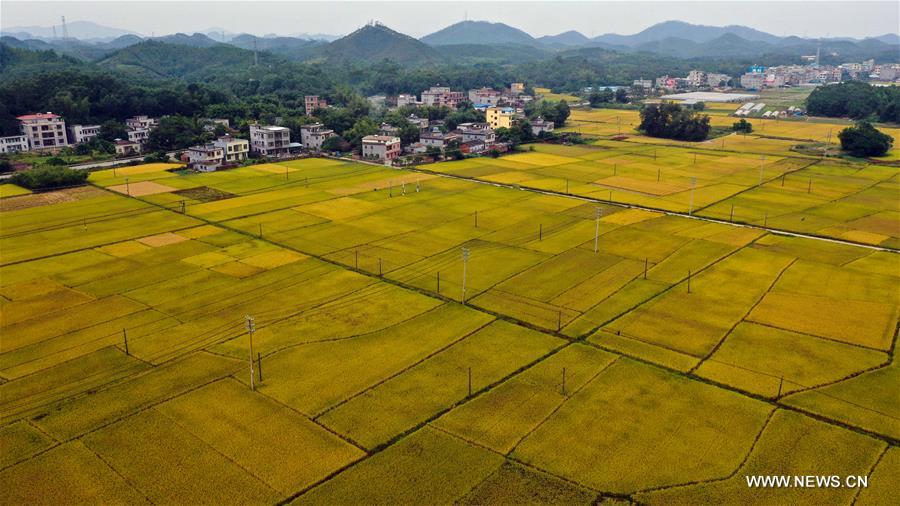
{"points": [[127, 187], [541, 232], [417, 186], [470, 382], [564, 381], [809, 186], [762, 162], [439, 282], [689, 281], [693, 185], [476, 219], [182, 207], [597, 231], [645, 268], [251, 327], [465, 258], [125, 337], [619, 124]]}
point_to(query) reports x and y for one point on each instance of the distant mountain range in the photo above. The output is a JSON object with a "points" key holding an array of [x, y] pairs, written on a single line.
{"points": [[470, 41]]}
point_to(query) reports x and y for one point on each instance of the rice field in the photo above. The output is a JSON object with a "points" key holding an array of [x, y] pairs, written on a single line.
{"points": [[773, 188], [419, 338]]}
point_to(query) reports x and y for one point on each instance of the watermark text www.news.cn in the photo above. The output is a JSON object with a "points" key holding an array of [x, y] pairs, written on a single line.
{"points": [[807, 481]]}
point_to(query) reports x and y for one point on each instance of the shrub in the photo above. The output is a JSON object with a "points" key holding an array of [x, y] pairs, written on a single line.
{"points": [[49, 177]]}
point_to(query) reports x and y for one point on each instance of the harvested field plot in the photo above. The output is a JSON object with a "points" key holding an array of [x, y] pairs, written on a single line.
{"points": [[643, 355]]}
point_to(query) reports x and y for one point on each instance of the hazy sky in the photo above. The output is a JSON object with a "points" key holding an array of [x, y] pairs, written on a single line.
{"points": [[417, 18]]}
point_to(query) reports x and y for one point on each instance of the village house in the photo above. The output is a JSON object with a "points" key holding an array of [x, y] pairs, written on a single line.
{"points": [[313, 135], [437, 139], [438, 96], [380, 147], [83, 133], [480, 132], [127, 148], [13, 144], [271, 141], [234, 150], [500, 117], [540, 125], [485, 96], [44, 131], [205, 158], [405, 99], [313, 102]]}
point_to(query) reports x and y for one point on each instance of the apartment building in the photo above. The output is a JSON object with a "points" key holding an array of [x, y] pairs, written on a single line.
{"points": [[313, 102], [517, 88], [44, 131], [83, 133], [234, 150], [438, 96], [206, 158], [13, 144], [380, 147], [271, 141], [312, 136]]}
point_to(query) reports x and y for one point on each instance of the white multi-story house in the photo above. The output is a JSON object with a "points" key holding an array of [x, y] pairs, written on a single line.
{"points": [[234, 150], [380, 147], [139, 135], [313, 135], [437, 139], [13, 144], [205, 158], [142, 121], [45, 131], [83, 133], [139, 128], [271, 141], [477, 132], [540, 125]]}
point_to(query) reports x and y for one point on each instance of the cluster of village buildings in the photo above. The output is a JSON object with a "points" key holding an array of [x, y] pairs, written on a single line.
{"points": [[759, 77], [47, 132]]}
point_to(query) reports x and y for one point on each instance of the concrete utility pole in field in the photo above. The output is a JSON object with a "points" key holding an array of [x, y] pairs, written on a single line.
{"points": [[465, 257], [597, 231], [251, 327]]}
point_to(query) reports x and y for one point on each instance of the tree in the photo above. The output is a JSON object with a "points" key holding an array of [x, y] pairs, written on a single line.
{"points": [[742, 126], [362, 128], [671, 121], [698, 106], [334, 143], [864, 140], [176, 132], [111, 130], [622, 96], [5, 166], [856, 100], [600, 97]]}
